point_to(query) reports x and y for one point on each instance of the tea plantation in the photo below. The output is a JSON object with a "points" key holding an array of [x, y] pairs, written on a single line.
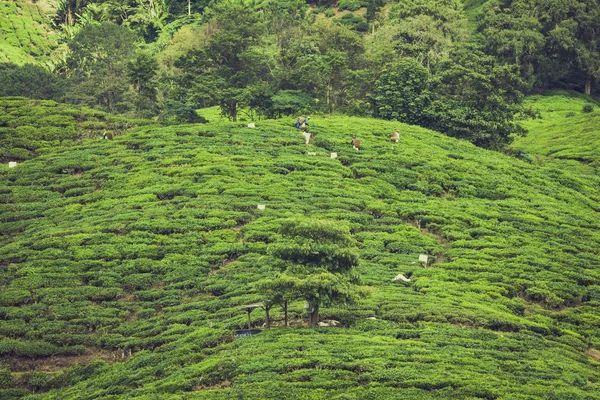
{"points": [[568, 129], [25, 36], [30, 127], [124, 265]]}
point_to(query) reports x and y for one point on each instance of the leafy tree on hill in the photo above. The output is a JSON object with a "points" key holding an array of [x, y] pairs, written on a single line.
{"points": [[551, 42], [330, 65], [97, 65], [226, 67], [515, 38], [476, 99], [316, 259], [141, 72], [579, 34], [402, 93]]}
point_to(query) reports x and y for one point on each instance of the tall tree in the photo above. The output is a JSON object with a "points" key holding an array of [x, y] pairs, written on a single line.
{"points": [[97, 64], [515, 37], [141, 72], [316, 259], [402, 92], [226, 67], [331, 60], [476, 98], [552, 42]]}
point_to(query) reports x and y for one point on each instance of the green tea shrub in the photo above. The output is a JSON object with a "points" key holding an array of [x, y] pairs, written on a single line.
{"points": [[12, 297], [351, 5], [27, 349], [38, 381], [10, 394], [362, 26], [6, 380], [177, 113], [587, 108]]}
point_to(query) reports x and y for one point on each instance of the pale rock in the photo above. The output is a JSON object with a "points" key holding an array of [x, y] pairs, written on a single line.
{"points": [[330, 322], [401, 277]]}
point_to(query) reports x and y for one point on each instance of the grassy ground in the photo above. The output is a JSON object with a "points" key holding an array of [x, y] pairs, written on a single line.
{"points": [[564, 131], [144, 248]]}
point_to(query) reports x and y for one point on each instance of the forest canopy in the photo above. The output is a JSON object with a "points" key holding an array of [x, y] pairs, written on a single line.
{"points": [[415, 61]]}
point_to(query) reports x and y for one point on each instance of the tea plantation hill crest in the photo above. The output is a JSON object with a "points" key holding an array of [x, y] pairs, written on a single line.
{"points": [[152, 242]]}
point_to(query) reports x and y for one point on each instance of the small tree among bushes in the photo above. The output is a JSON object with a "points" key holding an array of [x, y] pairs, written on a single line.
{"points": [[316, 259]]}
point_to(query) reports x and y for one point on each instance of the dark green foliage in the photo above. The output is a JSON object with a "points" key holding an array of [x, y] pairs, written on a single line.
{"points": [[98, 65], [31, 81], [38, 380], [6, 380], [351, 5], [227, 66], [588, 108], [176, 112], [288, 102], [141, 72], [476, 99], [402, 92], [550, 43], [316, 260]]}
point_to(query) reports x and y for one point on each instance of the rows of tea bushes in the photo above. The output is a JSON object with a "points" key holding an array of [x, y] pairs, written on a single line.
{"points": [[148, 245], [28, 127], [24, 33], [568, 128]]}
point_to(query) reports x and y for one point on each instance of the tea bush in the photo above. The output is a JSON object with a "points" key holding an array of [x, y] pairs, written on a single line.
{"points": [[25, 36]]}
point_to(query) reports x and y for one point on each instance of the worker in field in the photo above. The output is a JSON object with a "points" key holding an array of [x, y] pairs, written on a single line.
{"points": [[356, 143], [396, 136], [305, 123], [298, 123]]}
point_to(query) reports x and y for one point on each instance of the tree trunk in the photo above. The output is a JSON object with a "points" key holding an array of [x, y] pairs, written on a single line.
{"points": [[189, 7], [267, 308], [285, 313], [314, 315], [70, 15], [588, 84], [234, 112]]}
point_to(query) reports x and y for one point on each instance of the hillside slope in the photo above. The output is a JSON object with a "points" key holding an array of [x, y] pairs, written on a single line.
{"points": [[29, 127], [25, 36], [139, 252], [564, 130]]}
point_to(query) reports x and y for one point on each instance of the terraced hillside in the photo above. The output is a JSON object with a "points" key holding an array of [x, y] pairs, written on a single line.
{"points": [[25, 36], [473, 8], [569, 128], [133, 257], [30, 127]]}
